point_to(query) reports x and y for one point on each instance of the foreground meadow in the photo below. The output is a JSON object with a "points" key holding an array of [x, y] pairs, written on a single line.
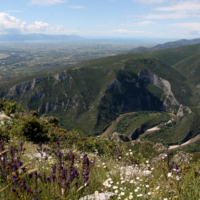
{"points": [[37, 171]]}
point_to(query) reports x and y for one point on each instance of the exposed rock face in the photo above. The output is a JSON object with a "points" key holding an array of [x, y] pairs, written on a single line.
{"points": [[120, 137], [22, 88], [170, 102], [183, 110]]}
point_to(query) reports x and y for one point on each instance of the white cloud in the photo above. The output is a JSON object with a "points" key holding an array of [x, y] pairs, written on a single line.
{"points": [[143, 23], [61, 29], [162, 16], [10, 24], [126, 31], [175, 10], [195, 26], [38, 26], [77, 7], [13, 11], [46, 2], [149, 1], [182, 6]]}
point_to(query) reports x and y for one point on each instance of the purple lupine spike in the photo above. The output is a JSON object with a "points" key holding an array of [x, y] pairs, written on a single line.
{"points": [[60, 154], [176, 166], [53, 177], [44, 177], [64, 173], [63, 182], [23, 184], [48, 179], [15, 167], [12, 153], [35, 181], [85, 168], [29, 190], [21, 146], [30, 176], [58, 144], [53, 167], [72, 155], [40, 144], [2, 145]]}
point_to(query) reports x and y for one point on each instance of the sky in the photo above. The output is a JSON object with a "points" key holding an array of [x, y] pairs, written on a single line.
{"points": [[102, 18]]}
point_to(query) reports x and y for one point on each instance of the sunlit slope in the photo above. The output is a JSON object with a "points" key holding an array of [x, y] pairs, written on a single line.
{"points": [[84, 96]]}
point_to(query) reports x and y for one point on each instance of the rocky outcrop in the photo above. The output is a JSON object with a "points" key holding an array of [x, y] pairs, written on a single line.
{"points": [[170, 103], [183, 110], [120, 137], [22, 88]]}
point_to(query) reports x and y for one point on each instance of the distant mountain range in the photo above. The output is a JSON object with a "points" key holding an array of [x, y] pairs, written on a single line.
{"points": [[168, 45], [38, 37]]}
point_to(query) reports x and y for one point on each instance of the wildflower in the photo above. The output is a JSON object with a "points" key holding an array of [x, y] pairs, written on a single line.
{"points": [[169, 174], [126, 199], [131, 153], [51, 163], [62, 190], [130, 196], [157, 187], [131, 181], [165, 199], [139, 195], [147, 186], [96, 192], [137, 178], [136, 190], [74, 151], [116, 191], [147, 161], [176, 167], [149, 193], [122, 193], [129, 149], [177, 178], [105, 183], [115, 187]]}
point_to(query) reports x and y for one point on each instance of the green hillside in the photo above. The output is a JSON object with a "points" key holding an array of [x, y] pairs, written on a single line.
{"points": [[90, 95]]}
